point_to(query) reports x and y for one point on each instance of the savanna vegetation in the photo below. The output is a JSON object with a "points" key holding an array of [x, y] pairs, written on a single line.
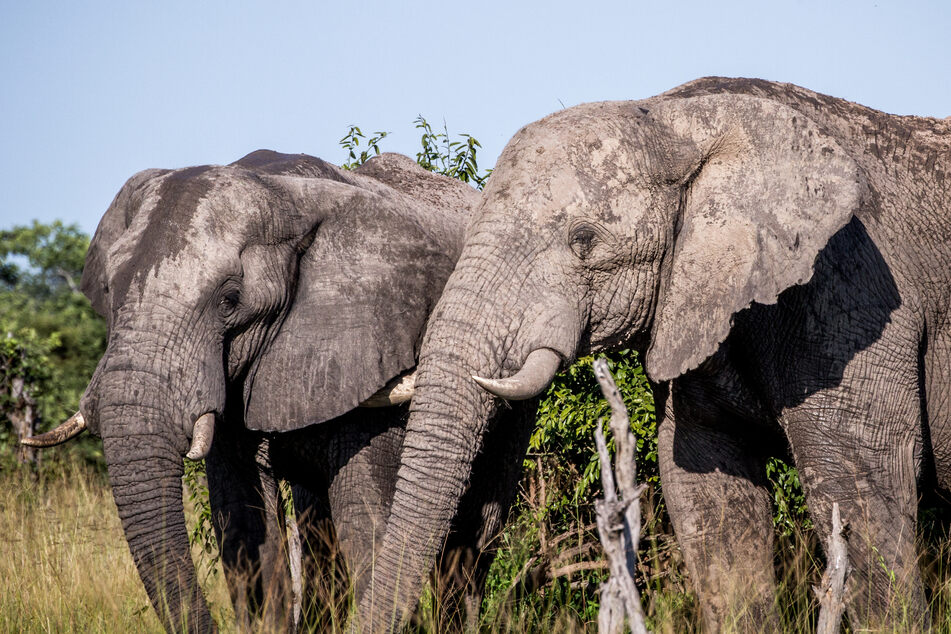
{"points": [[64, 565]]}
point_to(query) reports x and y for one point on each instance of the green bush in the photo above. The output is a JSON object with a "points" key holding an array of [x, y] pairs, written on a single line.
{"points": [[52, 336]]}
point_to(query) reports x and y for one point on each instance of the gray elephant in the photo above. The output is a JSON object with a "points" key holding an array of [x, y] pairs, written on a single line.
{"points": [[246, 303], [782, 261]]}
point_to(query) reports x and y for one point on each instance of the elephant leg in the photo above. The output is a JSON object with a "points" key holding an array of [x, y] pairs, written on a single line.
{"points": [[713, 474], [471, 545], [860, 447], [249, 523], [364, 454]]}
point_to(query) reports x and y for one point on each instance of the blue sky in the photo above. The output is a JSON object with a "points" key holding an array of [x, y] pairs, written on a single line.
{"points": [[94, 91]]}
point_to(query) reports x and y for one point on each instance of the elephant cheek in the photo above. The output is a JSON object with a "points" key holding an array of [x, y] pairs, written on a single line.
{"points": [[622, 309]]}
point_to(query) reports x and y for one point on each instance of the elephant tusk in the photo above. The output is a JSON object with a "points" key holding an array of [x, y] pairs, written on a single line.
{"points": [[536, 374], [201, 437], [74, 426], [399, 390]]}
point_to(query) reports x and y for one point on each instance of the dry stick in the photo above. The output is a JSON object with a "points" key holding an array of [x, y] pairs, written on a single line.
{"points": [[831, 588], [619, 520], [295, 555]]}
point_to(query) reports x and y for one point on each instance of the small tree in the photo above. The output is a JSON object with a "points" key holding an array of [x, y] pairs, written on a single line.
{"points": [[24, 372], [52, 339]]}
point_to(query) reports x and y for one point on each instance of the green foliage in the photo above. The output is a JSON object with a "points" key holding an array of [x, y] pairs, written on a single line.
{"points": [[54, 252], [23, 356], [356, 156], [456, 159], [554, 519], [789, 501], [573, 405], [202, 533], [439, 153], [43, 312]]}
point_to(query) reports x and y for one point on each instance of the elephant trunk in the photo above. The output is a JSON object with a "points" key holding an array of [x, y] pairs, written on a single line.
{"points": [[147, 488], [427, 489], [143, 427], [450, 415]]}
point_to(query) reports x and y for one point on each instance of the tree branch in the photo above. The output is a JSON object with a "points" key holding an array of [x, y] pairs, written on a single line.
{"points": [[619, 520], [831, 589]]}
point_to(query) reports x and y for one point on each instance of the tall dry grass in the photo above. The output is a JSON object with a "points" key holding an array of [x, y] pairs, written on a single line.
{"points": [[65, 567], [64, 563]]}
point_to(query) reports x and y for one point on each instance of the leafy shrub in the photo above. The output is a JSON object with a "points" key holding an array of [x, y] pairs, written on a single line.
{"points": [[455, 159], [439, 153], [53, 339], [351, 142]]}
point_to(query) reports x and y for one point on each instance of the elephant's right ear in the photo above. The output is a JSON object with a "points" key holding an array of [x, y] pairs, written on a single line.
{"points": [[366, 285], [118, 217], [766, 190]]}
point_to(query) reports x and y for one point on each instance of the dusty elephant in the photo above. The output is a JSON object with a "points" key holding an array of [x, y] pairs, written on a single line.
{"points": [[782, 261], [245, 304]]}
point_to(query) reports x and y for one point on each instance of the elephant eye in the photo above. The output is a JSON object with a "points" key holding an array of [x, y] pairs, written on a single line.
{"points": [[582, 239], [229, 301]]}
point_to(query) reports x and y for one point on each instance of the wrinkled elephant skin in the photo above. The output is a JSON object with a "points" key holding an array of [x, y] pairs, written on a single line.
{"points": [[782, 261], [265, 299]]}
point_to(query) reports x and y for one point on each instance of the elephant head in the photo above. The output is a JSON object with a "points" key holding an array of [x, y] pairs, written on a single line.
{"points": [[647, 224], [225, 285]]}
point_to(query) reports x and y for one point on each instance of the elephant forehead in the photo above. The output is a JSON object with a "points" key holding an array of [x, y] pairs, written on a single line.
{"points": [[180, 235], [592, 160]]}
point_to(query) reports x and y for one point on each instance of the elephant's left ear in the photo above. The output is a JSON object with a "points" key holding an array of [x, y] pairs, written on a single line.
{"points": [[764, 190], [367, 283]]}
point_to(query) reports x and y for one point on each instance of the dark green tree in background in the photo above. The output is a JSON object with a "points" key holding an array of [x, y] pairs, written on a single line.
{"points": [[51, 337]]}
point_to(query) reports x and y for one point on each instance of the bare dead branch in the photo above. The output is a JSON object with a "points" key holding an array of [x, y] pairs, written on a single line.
{"points": [[831, 589], [568, 554], [67, 277], [619, 520], [573, 533], [580, 566]]}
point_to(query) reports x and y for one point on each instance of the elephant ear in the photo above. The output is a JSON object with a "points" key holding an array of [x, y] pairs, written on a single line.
{"points": [[765, 191], [118, 217], [366, 285]]}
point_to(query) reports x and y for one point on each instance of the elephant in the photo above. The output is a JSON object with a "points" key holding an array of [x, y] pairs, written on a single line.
{"points": [[781, 261], [251, 308]]}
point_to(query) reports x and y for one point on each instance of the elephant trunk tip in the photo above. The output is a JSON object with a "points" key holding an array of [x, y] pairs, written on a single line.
{"points": [[536, 374]]}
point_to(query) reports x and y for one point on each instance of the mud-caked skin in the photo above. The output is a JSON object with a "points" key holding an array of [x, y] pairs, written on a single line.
{"points": [[276, 293], [782, 261]]}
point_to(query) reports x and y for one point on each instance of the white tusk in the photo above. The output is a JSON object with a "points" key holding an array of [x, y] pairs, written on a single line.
{"points": [[202, 435], [74, 426], [536, 374], [399, 390]]}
